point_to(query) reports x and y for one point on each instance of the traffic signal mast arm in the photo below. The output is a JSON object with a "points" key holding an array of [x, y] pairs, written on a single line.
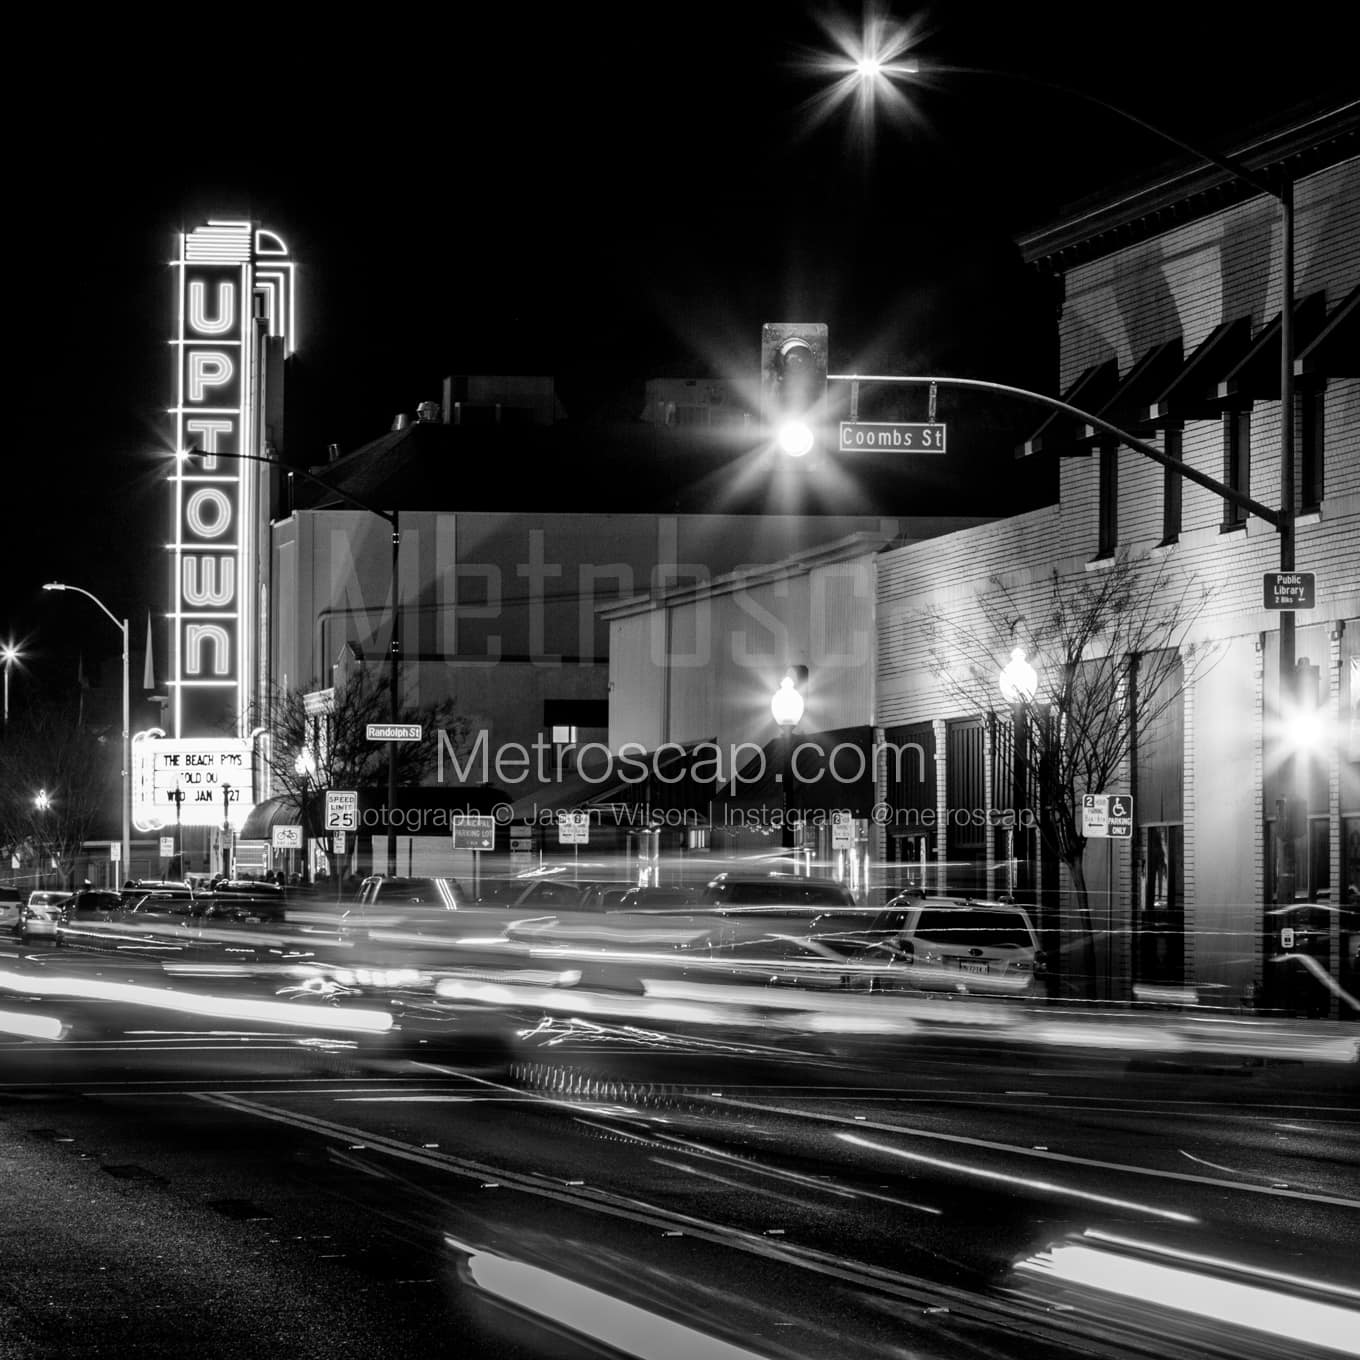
{"points": [[1230, 494]]}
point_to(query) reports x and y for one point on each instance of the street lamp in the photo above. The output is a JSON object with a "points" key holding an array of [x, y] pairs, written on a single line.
{"points": [[10, 653], [786, 705], [305, 765], [42, 801], [1019, 683], [122, 626]]}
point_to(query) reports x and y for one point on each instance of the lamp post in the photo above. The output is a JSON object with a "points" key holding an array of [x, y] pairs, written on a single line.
{"points": [[42, 800], [392, 517], [787, 707], [1019, 683], [10, 653], [226, 830], [177, 796], [305, 765], [122, 626]]}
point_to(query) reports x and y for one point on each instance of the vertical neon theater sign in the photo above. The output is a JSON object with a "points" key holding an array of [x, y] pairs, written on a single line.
{"points": [[236, 311]]}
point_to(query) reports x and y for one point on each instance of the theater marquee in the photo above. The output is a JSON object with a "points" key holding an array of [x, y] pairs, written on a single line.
{"points": [[196, 782], [235, 290]]}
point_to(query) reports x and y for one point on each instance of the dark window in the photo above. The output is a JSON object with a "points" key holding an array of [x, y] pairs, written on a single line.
{"points": [[1171, 488], [1109, 501], [1236, 462], [1313, 435], [576, 713], [965, 832], [1160, 955]]}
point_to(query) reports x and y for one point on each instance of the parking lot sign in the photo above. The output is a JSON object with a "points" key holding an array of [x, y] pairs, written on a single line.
{"points": [[474, 831]]}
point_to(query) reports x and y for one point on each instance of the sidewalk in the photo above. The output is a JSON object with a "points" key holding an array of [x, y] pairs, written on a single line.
{"points": [[102, 1261]]}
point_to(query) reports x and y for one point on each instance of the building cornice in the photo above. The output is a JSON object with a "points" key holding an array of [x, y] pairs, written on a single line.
{"points": [[1308, 143]]}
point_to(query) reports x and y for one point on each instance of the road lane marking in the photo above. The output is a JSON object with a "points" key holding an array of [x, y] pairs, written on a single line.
{"points": [[1097, 1164], [1017, 1316]]}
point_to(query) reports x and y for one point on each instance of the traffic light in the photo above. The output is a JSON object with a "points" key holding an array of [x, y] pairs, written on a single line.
{"points": [[793, 359]]}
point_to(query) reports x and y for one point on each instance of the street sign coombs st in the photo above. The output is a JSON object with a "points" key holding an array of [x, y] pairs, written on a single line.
{"points": [[474, 832], [1107, 816], [894, 435], [394, 731], [1289, 589], [342, 809]]}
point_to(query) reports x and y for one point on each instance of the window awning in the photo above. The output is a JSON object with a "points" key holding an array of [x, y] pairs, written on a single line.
{"points": [[1256, 376], [1335, 351], [834, 772], [264, 817], [1058, 433], [664, 778], [1127, 406], [422, 809], [1190, 393]]}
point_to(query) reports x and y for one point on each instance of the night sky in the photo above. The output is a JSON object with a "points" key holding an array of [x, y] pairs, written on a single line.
{"points": [[603, 193]]}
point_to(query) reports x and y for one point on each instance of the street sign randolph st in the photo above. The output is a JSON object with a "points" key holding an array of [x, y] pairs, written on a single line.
{"points": [[894, 435], [394, 732], [1289, 589]]}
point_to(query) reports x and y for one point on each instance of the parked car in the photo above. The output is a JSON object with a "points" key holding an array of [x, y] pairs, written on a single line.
{"points": [[607, 895], [11, 909], [776, 890], [779, 960], [658, 899], [533, 894], [90, 915], [42, 914], [392, 891], [956, 945]]}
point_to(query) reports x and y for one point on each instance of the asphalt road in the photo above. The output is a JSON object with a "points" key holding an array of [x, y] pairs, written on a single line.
{"points": [[505, 1183]]}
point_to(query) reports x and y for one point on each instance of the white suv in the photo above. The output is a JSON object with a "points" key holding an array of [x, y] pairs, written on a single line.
{"points": [[959, 945]]}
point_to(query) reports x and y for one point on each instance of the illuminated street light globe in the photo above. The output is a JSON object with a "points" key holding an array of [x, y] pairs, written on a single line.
{"points": [[1019, 680], [795, 438], [787, 704], [305, 764]]}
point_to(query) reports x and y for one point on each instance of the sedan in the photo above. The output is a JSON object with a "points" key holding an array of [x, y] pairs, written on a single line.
{"points": [[43, 914]]}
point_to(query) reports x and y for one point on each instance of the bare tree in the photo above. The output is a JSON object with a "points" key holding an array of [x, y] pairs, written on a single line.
{"points": [[1113, 650], [58, 775], [313, 748]]}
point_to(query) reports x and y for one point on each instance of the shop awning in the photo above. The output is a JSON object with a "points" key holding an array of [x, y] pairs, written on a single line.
{"points": [[630, 788], [1127, 407], [1190, 394], [833, 772], [420, 810], [1256, 376], [1335, 351], [1058, 433]]}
